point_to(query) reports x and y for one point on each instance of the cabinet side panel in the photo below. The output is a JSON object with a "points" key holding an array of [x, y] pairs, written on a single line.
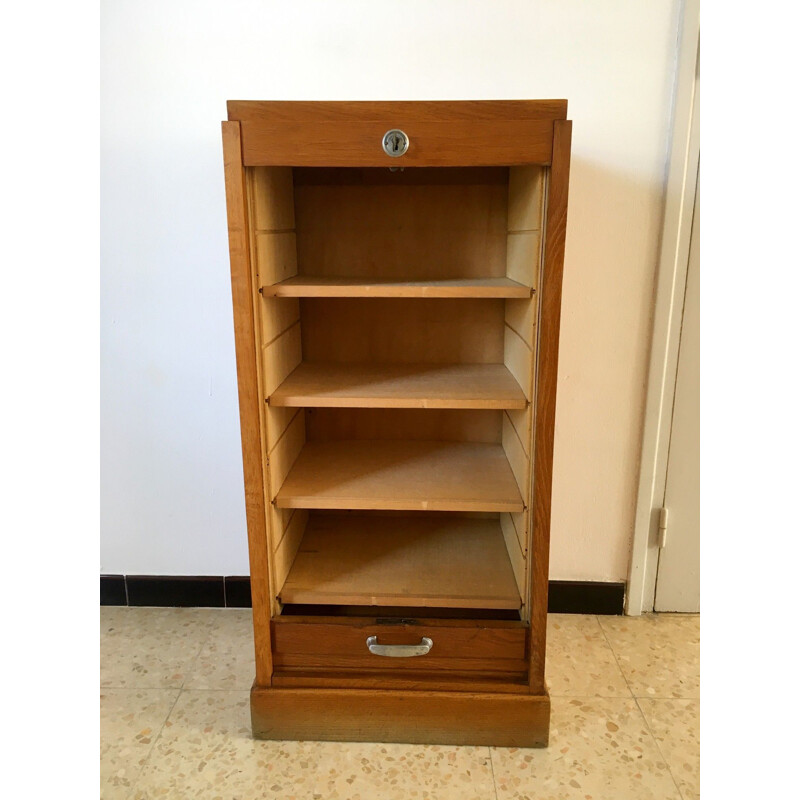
{"points": [[273, 243], [517, 458], [515, 554], [277, 256], [518, 357], [281, 358], [273, 202], [525, 198], [545, 399], [523, 261], [249, 396], [288, 546], [285, 453]]}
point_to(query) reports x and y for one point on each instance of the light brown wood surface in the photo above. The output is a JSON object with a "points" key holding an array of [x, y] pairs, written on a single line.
{"points": [[412, 561], [417, 717], [401, 231], [244, 325], [395, 331], [435, 476], [272, 193], [281, 357], [545, 404], [419, 176], [402, 327], [400, 386], [405, 424], [448, 143], [415, 680], [305, 112], [478, 650], [311, 286]]}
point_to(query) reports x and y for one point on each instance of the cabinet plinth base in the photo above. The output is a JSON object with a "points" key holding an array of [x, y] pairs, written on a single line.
{"points": [[413, 717]]}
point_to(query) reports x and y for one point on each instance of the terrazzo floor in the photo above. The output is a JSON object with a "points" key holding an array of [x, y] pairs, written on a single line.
{"points": [[175, 720]]}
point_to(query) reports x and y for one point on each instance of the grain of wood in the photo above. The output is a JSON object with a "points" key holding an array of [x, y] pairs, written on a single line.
{"points": [[431, 144], [393, 331], [287, 450], [406, 424], [286, 549], [440, 476], [277, 316], [545, 404], [522, 259], [244, 325], [416, 717], [431, 680], [316, 286], [519, 522], [277, 257], [273, 200], [517, 458], [485, 386], [410, 561], [277, 421], [280, 358], [304, 112], [521, 318], [515, 555], [525, 198], [402, 232], [464, 228], [521, 420], [519, 360]]}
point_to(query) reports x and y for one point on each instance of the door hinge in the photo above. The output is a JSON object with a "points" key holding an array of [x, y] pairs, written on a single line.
{"points": [[662, 527]]}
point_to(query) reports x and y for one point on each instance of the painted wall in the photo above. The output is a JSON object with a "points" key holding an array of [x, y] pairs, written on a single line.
{"points": [[172, 495]]}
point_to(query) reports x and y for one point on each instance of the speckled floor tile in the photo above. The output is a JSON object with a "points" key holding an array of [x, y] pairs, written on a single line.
{"points": [[580, 662], [150, 648], [205, 751], [130, 721], [600, 749], [227, 660], [659, 653], [676, 727]]}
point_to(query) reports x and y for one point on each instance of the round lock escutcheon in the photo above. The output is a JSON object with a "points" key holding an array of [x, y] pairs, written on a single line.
{"points": [[395, 143]]}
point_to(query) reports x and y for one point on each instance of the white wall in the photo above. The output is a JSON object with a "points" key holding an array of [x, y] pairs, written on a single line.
{"points": [[172, 495]]}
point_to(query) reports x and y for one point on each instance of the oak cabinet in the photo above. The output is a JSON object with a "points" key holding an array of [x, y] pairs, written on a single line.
{"points": [[396, 275]]}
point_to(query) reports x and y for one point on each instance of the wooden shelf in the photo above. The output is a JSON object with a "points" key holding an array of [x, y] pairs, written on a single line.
{"points": [[401, 475], [309, 286], [400, 386], [402, 561]]}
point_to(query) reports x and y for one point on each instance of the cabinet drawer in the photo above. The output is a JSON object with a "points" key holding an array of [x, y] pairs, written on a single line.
{"points": [[466, 646]]}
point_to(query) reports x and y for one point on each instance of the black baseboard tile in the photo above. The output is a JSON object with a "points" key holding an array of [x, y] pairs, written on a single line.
{"points": [[206, 591], [586, 597], [233, 591], [237, 591], [112, 590]]}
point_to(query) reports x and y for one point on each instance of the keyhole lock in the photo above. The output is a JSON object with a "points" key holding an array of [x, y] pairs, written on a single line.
{"points": [[395, 143]]}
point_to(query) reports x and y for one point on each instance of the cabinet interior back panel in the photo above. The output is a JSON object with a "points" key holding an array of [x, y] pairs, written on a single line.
{"points": [[402, 226], [443, 425], [402, 331]]}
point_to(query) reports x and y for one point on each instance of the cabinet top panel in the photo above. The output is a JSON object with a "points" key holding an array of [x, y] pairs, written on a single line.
{"points": [[303, 111], [484, 133]]}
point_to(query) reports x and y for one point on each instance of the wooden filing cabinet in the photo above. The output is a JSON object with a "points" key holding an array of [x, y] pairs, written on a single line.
{"points": [[396, 272]]}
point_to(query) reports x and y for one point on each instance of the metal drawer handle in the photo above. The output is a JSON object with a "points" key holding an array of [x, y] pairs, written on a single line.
{"points": [[399, 650]]}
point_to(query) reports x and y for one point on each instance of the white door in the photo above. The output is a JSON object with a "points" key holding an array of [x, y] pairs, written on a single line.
{"points": [[678, 576]]}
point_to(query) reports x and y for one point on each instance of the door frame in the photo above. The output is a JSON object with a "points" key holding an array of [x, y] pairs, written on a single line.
{"points": [[669, 298]]}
